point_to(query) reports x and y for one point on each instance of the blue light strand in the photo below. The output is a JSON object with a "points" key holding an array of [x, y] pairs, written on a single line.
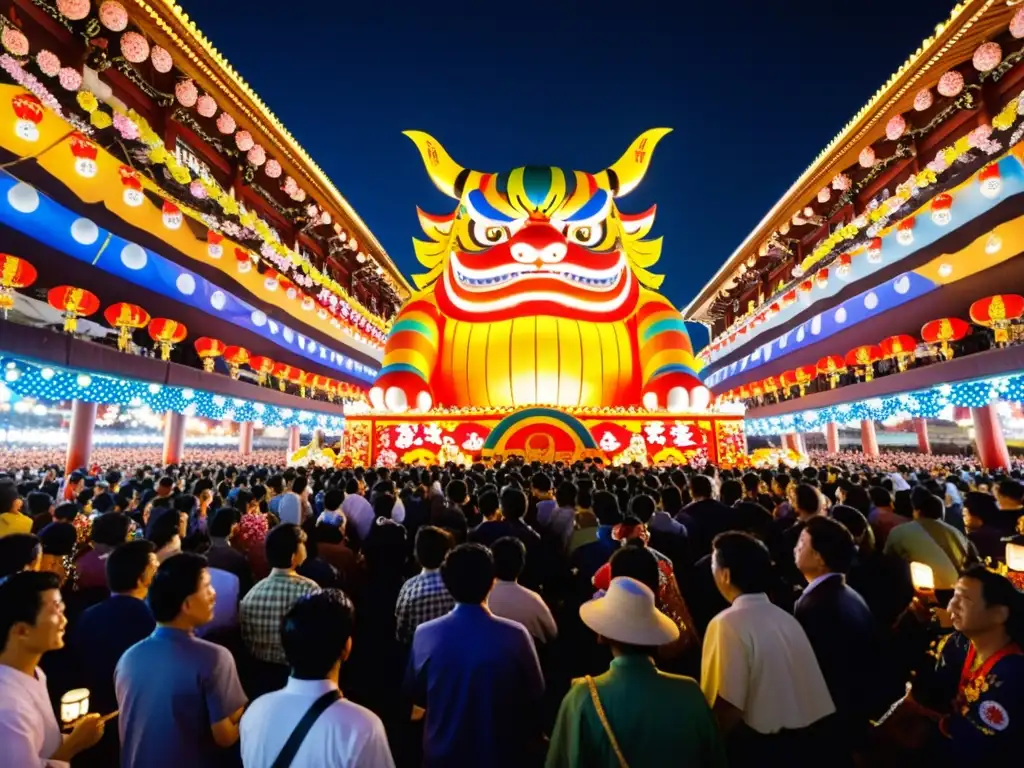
{"points": [[52, 384], [925, 403]]}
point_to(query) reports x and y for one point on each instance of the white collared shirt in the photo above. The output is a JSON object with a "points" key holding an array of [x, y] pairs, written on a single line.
{"points": [[511, 601], [29, 733], [758, 658], [346, 735]]}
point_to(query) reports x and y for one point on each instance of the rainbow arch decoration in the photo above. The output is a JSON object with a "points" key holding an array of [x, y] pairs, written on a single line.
{"points": [[544, 434]]}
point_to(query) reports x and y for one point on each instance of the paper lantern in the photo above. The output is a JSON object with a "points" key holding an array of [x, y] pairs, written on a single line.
{"points": [[1015, 557], [831, 367], [14, 273], [821, 278], [166, 333], [208, 349], [242, 261], [283, 373], [318, 383], [263, 367], [76, 10], [126, 318], [235, 357], [943, 331], [74, 303], [29, 113], [942, 205], [134, 47], [214, 244], [161, 60], [864, 358], [74, 704], [922, 577], [844, 266], [899, 348], [171, 215], [990, 181], [875, 251], [998, 312], [84, 152], [895, 127], [905, 231], [804, 291], [132, 195]]}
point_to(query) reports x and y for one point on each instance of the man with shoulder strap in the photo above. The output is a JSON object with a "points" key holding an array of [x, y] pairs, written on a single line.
{"points": [[309, 722]]}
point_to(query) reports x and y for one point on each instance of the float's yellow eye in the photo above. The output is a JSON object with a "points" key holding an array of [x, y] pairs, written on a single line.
{"points": [[588, 235], [494, 234], [582, 234]]}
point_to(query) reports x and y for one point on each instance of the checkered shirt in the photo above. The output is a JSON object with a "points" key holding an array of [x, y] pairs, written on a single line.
{"points": [[264, 607], [423, 597]]}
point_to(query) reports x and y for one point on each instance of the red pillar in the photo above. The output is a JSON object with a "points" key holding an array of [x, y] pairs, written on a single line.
{"points": [[832, 437], [174, 437], [798, 443], [868, 438], [245, 434], [83, 420], [921, 427], [293, 440], [988, 434]]}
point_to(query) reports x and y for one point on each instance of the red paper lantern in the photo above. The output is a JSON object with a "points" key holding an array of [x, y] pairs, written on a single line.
{"points": [[74, 303], [943, 331], [990, 180], [942, 209], [235, 357], [905, 231], [209, 348], [900, 348], [998, 312], [263, 367], [166, 333], [864, 359], [14, 273], [831, 366], [126, 318]]}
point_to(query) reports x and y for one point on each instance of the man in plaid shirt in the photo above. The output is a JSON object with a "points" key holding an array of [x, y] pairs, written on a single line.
{"points": [[267, 602], [424, 596]]}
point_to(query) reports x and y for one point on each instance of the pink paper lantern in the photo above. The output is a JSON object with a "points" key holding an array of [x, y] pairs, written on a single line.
{"points": [[866, 157], [134, 47], [70, 79], [841, 182], [950, 84], [272, 169], [824, 195], [76, 10], [979, 135], [206, 106], [113, 16], [226, 123], [197, 189], [895, 127], [161, 58], [923, 100], [48, 63], [244, 141], [1017, 24], [987, 57], [14, 41], [186, 93], [257, 155]]}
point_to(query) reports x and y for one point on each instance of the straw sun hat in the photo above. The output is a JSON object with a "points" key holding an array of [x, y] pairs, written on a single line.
{"points": [[626, 613]]}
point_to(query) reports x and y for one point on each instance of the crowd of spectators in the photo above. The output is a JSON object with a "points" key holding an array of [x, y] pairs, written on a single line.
{"points": [[223, 613]]}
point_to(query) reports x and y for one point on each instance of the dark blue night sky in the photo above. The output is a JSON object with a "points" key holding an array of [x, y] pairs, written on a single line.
{"points": [[754, 90]]}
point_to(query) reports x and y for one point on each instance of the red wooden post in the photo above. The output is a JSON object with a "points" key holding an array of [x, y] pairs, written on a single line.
{"points": [[293, 440], [83, 420], [245, 435], [921, 428], [832, 437], [868, 438], [174, 437], [988, 434]]}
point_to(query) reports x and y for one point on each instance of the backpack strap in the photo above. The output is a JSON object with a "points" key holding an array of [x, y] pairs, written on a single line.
{"points": [[604, 722], [291, 747]]}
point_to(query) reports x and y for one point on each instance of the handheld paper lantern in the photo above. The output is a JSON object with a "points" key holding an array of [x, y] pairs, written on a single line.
{"points": [[74, 705], [14, 273], [922, 577], [263, 367], [990, 181], [171, 215], [998, 312], [875, 251], [214, 247], [832, 367], [132, 195], [167, 333], [84, 152], [235, 357], [208, 348], [126, 318], [29, 113], [942, 209], [74, 303], [864, 358], [905, 231], [242, 261], [943, 331], [844, 266], [899, 348]]}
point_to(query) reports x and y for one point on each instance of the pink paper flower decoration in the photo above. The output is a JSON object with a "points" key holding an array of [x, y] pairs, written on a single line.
{"points": [[299, 195], [895, 127], [979, 135], [113, 16], [70, 79], [257, 155], [272, 169], [923, 100], [866, 157], [161, 58], [206, 106], [950, 84], [124, 126], [226, 123], [987, 57], [197, 189], [134, 47], [841, 182], [186, 93], [48, 63], [14, 41], [1017, 24], [289, 186], [824, 195], [244, 141], [76, 10]]}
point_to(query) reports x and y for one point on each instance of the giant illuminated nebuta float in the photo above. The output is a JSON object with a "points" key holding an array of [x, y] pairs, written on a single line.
{"points": [[537, 292]]}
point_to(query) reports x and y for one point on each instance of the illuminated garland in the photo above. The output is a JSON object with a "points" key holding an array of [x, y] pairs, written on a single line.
{"points": [[50, 384], [924, 403]]}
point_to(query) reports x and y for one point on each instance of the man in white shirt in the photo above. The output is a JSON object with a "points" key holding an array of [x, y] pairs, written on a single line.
{"points": [[357, 510], [32, 622], [510, 600], [317, 638], [758, 671]]}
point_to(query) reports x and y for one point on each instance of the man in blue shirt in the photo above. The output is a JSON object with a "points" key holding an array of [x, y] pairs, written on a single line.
{"points": [[179, 697], [477, 675]]}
